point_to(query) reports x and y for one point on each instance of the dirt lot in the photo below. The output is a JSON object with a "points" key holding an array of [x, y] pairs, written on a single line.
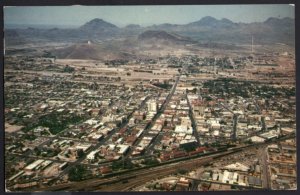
{"points": [[12, 128]]}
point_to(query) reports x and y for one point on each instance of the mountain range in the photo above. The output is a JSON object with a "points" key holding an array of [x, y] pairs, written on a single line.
{"points": [[273, 30]]}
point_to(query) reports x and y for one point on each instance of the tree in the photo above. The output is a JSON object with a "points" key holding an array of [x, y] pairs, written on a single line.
{"points": [[30, 137], [116, 165], [189, 147], [182, 171], [67, 68], [122, 164], [77, 173], [249, 141], [80, 153], [152, 161], [37, 151]]}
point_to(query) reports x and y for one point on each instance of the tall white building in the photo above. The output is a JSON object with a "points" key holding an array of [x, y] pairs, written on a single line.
{"points": [[152, 106]]}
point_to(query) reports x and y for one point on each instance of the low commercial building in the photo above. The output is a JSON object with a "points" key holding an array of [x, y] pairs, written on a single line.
{"points": [[237, 167], [33, 165], [256, 139], [122, 149]]}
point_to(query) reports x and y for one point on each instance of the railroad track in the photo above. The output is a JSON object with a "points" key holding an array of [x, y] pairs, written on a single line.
{"points": [[154, 172], [143, 175], [147, 175]]}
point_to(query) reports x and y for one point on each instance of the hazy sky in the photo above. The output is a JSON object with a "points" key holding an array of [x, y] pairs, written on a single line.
{"points": [[143, 15]]}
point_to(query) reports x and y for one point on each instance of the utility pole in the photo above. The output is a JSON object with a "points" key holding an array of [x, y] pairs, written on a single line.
{"points": [[123, 159], [252, 45]]}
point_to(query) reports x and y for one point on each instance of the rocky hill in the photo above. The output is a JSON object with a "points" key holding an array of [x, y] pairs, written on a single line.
{"points": [[152, 35]]}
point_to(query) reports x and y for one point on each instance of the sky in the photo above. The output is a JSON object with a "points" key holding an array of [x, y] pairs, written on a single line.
{"points": [[143, 15]]}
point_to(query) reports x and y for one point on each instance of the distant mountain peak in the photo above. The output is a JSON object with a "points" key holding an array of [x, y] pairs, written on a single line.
{"points": [[272, 19], [278, 21], [98, 24], [161, 35], [132, 26], [207, 19], [97, 20], [225, 20]]}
